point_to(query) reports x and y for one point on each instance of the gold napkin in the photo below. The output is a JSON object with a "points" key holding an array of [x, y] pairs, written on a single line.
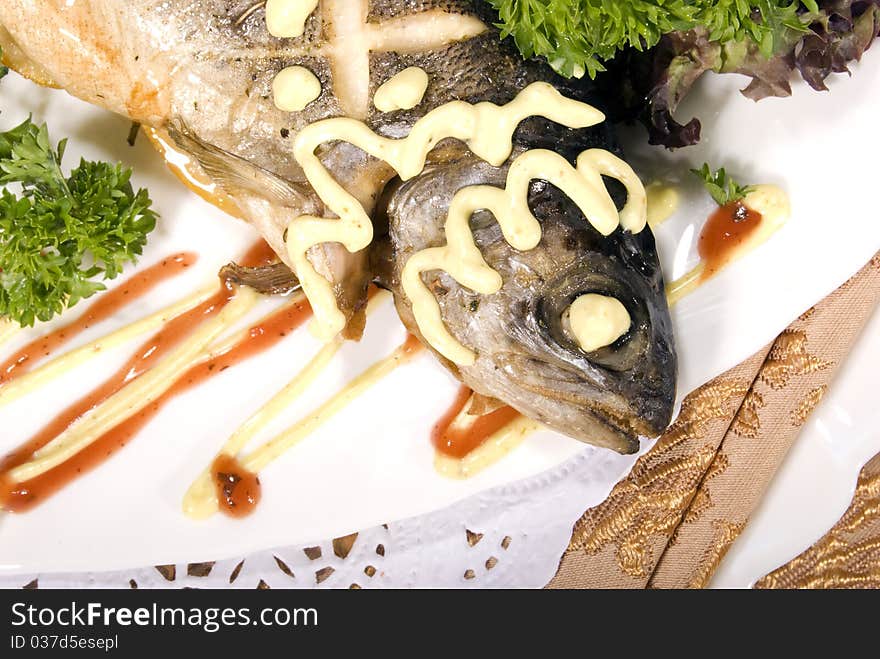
{"points": [[672, 520]]}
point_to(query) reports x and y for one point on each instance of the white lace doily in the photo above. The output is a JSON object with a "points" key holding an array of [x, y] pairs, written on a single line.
{"points": [[511, 536]]}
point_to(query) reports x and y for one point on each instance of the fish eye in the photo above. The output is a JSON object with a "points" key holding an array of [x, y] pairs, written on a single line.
{"points": [[595, 321]]}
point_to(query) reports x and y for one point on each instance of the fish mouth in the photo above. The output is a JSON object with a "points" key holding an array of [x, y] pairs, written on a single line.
{"points": [[582, 410]]}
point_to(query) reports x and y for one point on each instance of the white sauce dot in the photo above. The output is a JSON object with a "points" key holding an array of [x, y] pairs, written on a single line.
{"points": [[596, 321], [286, 19], [294, 88], [402, 92], [663, 202]]}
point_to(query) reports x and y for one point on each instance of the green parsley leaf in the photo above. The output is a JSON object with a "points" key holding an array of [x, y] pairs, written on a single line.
{"points": [[720, 186], [577, 36], [59, 236]]}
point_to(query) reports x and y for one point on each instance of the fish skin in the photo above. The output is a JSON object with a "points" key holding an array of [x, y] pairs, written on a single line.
{"points": [[192, 68]]}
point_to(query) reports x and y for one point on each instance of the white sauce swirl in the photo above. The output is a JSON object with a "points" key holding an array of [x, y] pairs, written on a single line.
{"points": [[488, 131]]}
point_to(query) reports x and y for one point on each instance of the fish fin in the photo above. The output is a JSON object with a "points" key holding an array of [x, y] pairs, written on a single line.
{"points": [[273, 279], [237, 175], [357, 323], [481, 405]]}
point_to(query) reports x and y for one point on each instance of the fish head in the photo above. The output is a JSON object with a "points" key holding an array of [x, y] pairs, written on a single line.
{"points": [[527, 355]]}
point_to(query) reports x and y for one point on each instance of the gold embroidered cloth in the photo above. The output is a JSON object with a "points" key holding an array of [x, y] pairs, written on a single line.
{"points": [[672, 520]]}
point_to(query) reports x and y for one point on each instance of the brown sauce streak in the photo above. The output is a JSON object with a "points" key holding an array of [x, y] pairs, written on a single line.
{"points": [[724, 232], [19, 497], [459, 442], [107, 304], [238, 490]]}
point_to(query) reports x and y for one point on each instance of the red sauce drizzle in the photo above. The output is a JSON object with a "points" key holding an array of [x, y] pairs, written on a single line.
{"points": [[22, 496], [460, 441], [107, 304], [238, 490], [259, 254], [19, 497], [412, 346], [724, 232]]}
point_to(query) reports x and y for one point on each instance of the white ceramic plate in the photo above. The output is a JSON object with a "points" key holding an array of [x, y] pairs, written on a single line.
{"points": [[373, 463]]}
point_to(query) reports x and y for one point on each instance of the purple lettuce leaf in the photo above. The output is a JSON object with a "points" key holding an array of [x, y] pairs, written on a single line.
{"points": [[648, 86]]}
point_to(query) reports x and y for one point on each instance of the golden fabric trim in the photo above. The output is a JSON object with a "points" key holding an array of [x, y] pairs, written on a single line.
{"points": [[848, 556], [725, 534], [701, 541], [748, 423], [789, 357], [801, 413], [701, 502], [806, 315]]}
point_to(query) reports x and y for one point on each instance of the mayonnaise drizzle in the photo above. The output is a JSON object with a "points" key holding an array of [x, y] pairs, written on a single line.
{"points": [[135, 396], [488, 131], [8, 329], [461, 257], [402, 92], [287, 18], [200, 501], [773, 204], [28, 382]]}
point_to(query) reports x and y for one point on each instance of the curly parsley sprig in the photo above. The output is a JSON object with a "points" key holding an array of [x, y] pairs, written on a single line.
{"points": [[577, 36], [59, 236]]}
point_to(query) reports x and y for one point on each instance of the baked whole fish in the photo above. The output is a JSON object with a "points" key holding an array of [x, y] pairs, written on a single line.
{"points": [[202, 71]]}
